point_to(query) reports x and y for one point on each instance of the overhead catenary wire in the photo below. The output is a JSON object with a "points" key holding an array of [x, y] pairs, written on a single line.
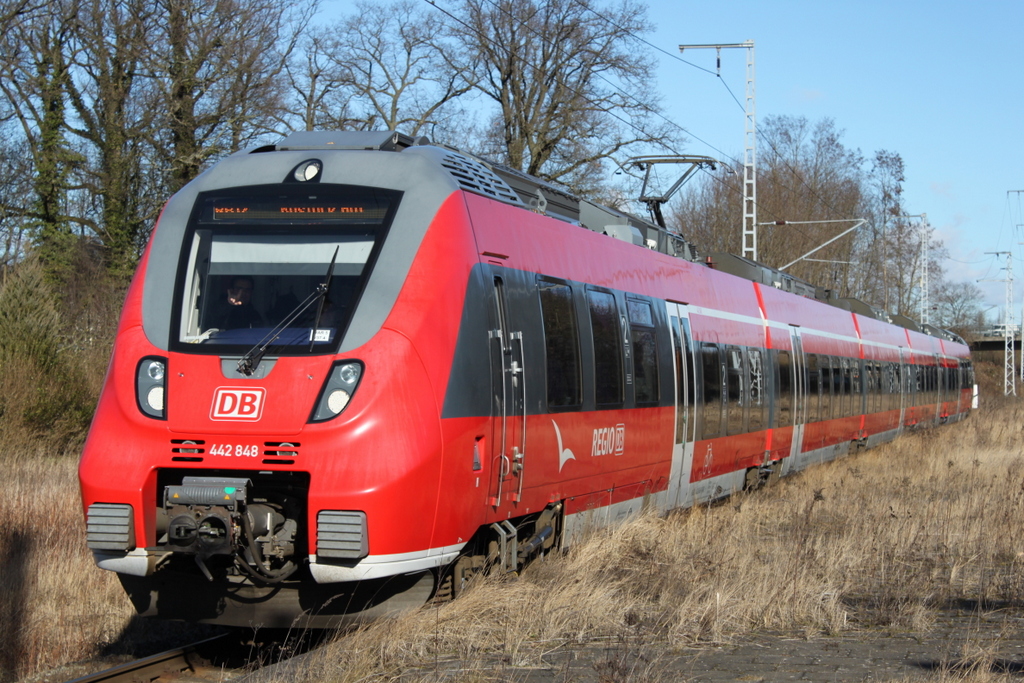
{"points": [[540, 70], [717, 74]]}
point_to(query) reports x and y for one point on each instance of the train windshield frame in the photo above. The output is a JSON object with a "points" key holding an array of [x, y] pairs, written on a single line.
{"points": [[252, 259]]}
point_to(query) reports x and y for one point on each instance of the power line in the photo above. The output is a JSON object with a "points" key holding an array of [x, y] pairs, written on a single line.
{"points": [[631, 124]]}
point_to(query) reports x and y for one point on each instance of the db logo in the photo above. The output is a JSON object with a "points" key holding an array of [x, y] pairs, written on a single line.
{"points": [[237, 403]]}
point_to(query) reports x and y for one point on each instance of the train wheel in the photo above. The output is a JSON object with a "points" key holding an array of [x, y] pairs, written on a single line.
{"points": [[456, 577]]}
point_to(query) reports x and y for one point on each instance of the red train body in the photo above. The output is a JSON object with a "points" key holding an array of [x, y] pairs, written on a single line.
{"points": [[353, 370]]}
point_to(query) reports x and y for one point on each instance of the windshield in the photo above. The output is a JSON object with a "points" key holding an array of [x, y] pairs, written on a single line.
{"points": [[253, 255]]}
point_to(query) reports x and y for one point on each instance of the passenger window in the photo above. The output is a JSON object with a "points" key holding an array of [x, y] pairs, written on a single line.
{"points": [[785, 414], [604, 323], [856, 402], [847, 388], [825, 374], [813, 398], [645, 351], [561, 345], [757, 387], [736, 387], [711, 416]]}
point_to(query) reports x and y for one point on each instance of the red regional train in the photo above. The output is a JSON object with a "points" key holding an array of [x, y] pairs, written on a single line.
{"points": [[354, 369]]}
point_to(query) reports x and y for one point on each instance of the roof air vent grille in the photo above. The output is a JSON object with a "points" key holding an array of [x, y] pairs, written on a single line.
{"points": [[477, 178]]}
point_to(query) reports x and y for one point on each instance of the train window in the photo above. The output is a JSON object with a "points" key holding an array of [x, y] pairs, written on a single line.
{"points": [[825, 375], [884, 386], [813, 391], [874, 387], [785, 366], [711, 414], [856, 392], [736, 386], [645, 351], [604, 323], [845, 405], [899, 386], [561, 344], [253, 260], [916, 381], [757, 389]]}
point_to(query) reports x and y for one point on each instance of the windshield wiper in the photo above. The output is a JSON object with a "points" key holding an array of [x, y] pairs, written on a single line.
{"points": [[323, 297], [248, 363]]}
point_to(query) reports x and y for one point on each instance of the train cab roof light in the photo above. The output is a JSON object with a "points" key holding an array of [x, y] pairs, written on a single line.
{"points": [[308, 171]]}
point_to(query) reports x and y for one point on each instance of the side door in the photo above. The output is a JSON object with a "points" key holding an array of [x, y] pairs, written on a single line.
{"points": [[799, 389], [508, 402], [680, 492]]}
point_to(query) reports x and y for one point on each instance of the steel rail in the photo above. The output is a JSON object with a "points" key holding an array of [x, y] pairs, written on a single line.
{"points": [[171, 663]]}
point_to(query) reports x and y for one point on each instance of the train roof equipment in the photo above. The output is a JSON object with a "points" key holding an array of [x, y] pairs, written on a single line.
{"points": [[480, 176]]}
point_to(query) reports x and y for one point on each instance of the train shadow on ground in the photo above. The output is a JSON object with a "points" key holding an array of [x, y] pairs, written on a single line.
{"points": [[241, 648]]}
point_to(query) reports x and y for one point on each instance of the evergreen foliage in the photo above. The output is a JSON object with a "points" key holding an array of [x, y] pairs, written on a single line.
{"points": [[44, 392]]}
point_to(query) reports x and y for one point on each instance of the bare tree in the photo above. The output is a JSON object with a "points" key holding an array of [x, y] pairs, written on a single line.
{"points": [[34, 73], [314, 82], [112, 100], [808, 181], [569, 85], [958, 307], [395, 70], [15, 189], [217, 63]]}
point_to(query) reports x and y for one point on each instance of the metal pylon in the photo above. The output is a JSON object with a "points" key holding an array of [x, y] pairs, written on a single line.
{"points": [[1009, 376], [750, 164], [750, 153]]}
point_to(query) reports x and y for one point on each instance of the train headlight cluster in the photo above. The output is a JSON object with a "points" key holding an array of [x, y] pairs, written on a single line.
{"points": [[338, 390], [151, 388]]}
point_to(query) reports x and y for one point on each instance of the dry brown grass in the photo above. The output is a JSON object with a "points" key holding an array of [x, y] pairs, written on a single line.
{"points": [[884, 539], [55, 606]]}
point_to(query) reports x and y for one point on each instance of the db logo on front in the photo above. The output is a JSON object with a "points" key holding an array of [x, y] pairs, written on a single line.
{"points": [[237, 403]]}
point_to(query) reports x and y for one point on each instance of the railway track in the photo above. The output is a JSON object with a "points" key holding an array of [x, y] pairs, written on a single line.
{"points": [[221, 658]]}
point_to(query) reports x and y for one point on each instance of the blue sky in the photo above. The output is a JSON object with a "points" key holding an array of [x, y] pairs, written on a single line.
{"points": [[939, 82]]}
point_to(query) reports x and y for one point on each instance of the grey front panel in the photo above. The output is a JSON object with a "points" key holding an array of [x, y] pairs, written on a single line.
{"points": [[416, 172]]}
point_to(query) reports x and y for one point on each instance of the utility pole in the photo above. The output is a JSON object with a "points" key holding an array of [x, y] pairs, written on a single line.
{"points": [[1009, 374], [1018, 193], [923, 305], [750, 152]]}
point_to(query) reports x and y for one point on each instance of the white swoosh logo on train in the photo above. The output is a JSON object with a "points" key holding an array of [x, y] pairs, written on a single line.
{"points": [[564, 454]]}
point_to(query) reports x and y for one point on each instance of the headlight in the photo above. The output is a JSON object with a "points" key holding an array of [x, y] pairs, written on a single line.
{"points": [[150, 387], [337, 390]]}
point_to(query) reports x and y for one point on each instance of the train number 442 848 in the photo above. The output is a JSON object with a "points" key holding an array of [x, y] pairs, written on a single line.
{"points": [[235, 450]]}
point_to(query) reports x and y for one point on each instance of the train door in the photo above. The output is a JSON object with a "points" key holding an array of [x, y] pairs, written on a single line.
{"points": [[508, 389], [799, 398], [906, 388], [680, 492], [941, 392]]}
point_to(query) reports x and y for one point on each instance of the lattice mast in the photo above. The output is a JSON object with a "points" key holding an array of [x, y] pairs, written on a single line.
{"points": [[1009, 375], [750, 148]]}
